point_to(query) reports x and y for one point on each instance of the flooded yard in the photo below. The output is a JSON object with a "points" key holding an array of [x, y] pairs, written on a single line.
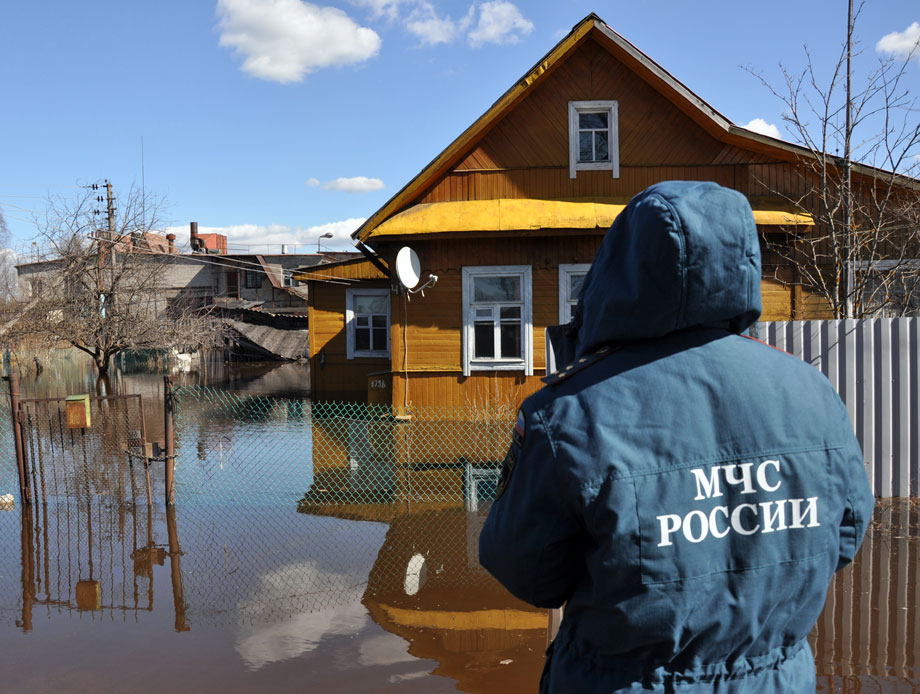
{"points": [[256, 581]]}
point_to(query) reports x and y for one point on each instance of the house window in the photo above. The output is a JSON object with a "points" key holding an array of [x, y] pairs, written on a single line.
{"points": [[367, 320], [887, 288], [571, 277], [497, 318], [287, 279], [253, 279], [593, 137]]}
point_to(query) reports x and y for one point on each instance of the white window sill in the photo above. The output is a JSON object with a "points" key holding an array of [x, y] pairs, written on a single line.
{"points": [[370, 355], [497, 366]]}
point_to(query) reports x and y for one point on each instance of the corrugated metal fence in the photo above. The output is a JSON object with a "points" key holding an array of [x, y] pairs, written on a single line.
{"points": [[873, 364]]}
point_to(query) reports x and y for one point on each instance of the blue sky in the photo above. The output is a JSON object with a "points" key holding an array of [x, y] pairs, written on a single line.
{"points": [[274, 121]]}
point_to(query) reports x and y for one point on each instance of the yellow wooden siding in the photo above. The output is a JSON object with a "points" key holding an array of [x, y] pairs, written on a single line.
{"points": [[777, 300], [435, 321], [335, 377], [483, 391], [356, 269]]}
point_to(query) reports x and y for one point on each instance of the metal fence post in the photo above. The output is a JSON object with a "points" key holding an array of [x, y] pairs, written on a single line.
{"points": [[175, 569], [170, 435], [25, 489]]}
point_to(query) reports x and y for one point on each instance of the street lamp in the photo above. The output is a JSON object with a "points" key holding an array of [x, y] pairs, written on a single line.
{"points": [[327, 235]]}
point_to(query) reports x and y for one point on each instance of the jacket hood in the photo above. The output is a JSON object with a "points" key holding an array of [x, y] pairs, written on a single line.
{"points": [[682, 254]]}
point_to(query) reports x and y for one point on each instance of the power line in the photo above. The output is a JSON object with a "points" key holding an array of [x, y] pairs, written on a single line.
{"points": [[240, 264]]}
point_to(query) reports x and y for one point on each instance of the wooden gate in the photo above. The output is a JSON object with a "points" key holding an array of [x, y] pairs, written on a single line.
{"points": [[86, 445]]}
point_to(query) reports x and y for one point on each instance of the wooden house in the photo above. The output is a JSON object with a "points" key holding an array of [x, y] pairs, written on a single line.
{"points": [[509, 217]]}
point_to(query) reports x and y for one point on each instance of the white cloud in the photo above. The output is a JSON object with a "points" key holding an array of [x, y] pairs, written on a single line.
{"points": [[313, 182], [257, 238], [263, 644], [424, 22], [499, 22], [385, 649], [358, 184], [382, 8], [282, 40], [902, 44], [759, 125], [494, 21]]}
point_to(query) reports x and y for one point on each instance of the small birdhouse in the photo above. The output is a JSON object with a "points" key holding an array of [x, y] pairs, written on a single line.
{"points": [[78, 412]]}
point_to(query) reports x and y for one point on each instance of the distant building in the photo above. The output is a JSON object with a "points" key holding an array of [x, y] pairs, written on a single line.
{"points": [[246, 289]]}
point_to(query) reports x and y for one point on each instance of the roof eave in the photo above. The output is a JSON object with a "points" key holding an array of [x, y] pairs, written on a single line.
{"points": [[447, 156]]}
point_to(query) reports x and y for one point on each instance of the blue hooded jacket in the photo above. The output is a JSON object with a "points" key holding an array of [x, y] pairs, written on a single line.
{"points": [[687, 492]]}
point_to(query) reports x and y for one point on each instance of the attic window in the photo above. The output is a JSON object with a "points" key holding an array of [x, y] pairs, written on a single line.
{"points": [[593, 137]]}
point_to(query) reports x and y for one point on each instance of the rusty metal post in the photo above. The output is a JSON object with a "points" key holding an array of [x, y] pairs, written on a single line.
{"points": [[27, 544], [140, 403], [170, 435], [175, 569], [25, 489]]}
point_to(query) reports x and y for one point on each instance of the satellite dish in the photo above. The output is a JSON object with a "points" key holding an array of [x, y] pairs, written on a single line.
{"points": [[408, 269], [416, 574]]}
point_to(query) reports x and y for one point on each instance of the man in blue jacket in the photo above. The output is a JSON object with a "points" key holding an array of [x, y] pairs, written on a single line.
{"points": [[686, 491]]}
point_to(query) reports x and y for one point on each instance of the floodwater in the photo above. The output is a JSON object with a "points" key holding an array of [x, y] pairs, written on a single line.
{"points": [[234, 590]]}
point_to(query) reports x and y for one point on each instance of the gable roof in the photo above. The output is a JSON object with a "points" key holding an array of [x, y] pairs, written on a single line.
{"points": [[594, 27]]}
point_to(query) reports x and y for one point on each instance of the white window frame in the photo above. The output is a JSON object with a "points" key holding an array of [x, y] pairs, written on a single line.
{"points": [[613, 137], [524, 364], [350, 295], [287, 279], [886, 265], [565, 270]]}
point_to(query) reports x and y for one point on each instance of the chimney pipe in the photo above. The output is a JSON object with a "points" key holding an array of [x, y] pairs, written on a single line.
{"points": [[171, 238], [194, 240]]}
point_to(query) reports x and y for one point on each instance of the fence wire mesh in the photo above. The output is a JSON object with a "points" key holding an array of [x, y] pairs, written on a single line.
{"points": [[86, 541], [287, 507], [106, 458]]}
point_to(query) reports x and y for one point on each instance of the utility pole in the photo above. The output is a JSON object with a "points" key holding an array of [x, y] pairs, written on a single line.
{"points": [[110, 209], [100, 251], [105, 245]]}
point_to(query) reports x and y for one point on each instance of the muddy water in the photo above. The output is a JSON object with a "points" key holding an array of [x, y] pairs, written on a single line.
{"points": [[96, 597], [236, 591], [868, 637], [213, 597]]}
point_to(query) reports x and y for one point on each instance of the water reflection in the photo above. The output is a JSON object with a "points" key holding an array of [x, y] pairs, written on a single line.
{"points": [[237, 591], [329, 593], [427, 587], [84, 556], [868, 637]]}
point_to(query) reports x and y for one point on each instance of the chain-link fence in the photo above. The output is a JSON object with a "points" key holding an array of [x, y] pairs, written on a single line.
{"points": [[105, 457], [366, 454], [288, 507]]}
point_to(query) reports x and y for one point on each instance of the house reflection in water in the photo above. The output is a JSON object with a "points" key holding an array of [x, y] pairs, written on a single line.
{"points": [[427, 587]]}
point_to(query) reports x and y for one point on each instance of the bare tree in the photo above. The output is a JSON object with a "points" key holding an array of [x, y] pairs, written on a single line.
{"points": [[105, 286], [857, 175], [8, 259]]}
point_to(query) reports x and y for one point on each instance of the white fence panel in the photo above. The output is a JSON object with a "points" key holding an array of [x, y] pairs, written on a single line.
{"points": [[873, 365]]}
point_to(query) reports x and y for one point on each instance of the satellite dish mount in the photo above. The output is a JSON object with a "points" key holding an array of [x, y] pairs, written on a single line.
{"points": [[408, 271]]}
